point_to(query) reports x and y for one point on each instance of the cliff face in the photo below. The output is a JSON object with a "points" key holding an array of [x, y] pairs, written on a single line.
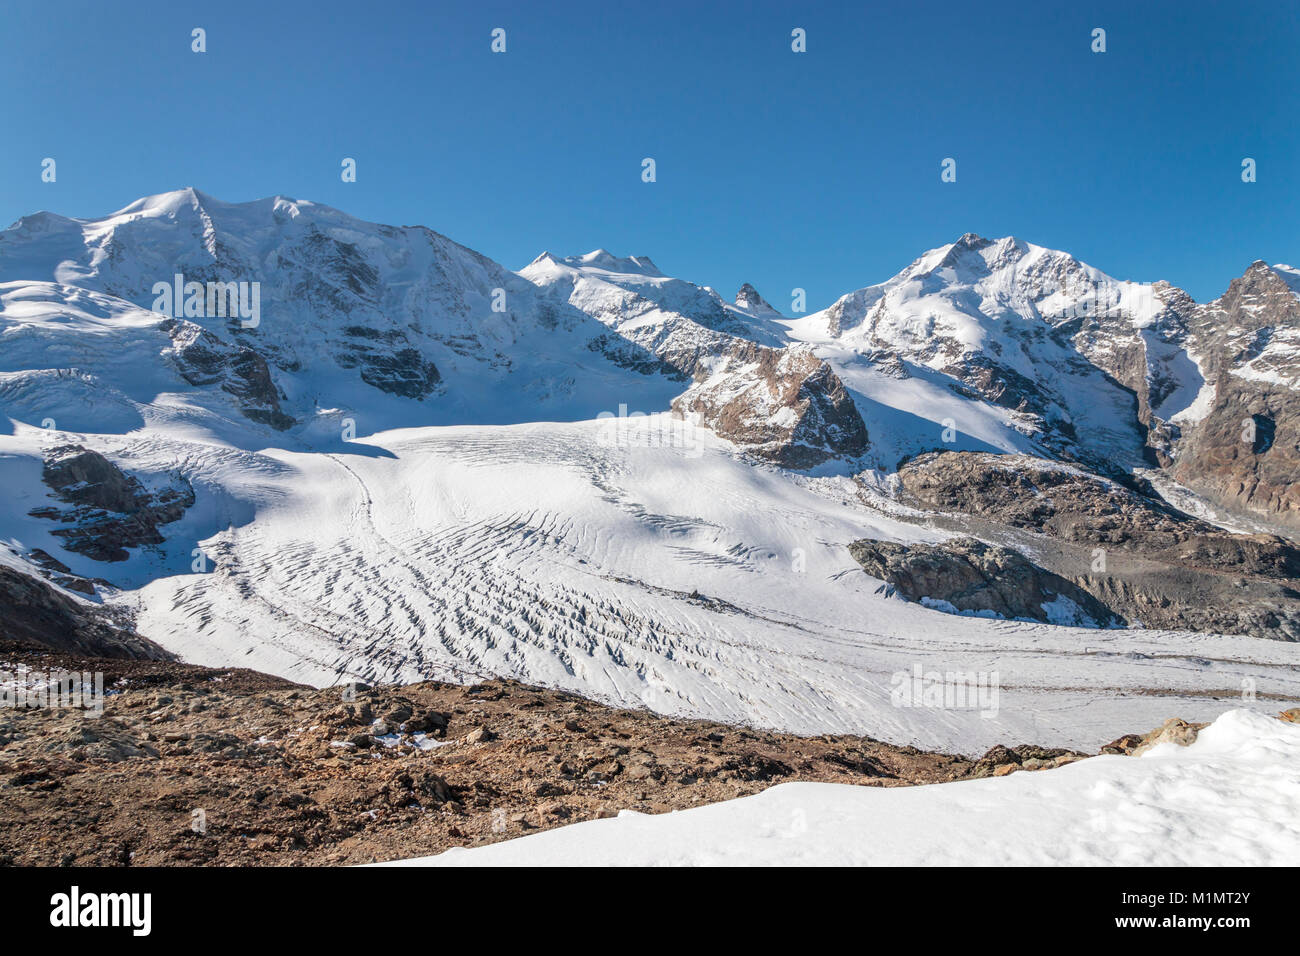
{"points": [[786, 406], [1118, 554], [1245, 453]]}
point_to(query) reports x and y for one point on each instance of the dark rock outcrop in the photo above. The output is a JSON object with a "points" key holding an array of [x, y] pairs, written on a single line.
{"points": [[402, 371], [1244, 452], [634, 357], [111, 511], [1070, 504], [204, 358], [748, 298], [1140, 558], [33, 612], [974, 577]]}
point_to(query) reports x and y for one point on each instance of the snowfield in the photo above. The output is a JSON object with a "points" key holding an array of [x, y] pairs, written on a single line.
{"points": [[1230, 798]]}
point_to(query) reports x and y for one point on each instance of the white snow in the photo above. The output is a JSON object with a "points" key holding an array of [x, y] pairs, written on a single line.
{"points": [[1230, 798], [1290, 275], [1194, 411], [996, 300]]}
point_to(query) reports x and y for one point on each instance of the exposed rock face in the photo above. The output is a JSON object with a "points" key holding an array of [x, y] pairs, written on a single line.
{"points": [[36, 613], [1242, 449], [402, 372], [973, 577], [1246, 452], [58, 572], [636, 358], [88, 478], [111, 511], [1148, 359], [785, 406], [1142, 559], [1070, 504], [204, 358]]}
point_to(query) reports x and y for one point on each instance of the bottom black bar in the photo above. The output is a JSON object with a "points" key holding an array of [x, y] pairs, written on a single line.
{"points": [[138, 906]]}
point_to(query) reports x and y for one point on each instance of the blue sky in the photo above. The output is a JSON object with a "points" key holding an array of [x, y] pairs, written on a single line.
{"points": [[818, 170]]}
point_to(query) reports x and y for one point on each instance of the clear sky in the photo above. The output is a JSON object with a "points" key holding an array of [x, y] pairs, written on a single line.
{"points": [[819, 170]]}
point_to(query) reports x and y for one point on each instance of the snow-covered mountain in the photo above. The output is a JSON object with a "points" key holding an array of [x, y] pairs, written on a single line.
{"points": [[753, 303], [687, 325], [353, 316], [403, 460], [992, 321], [749, 387], [1051, 356]]}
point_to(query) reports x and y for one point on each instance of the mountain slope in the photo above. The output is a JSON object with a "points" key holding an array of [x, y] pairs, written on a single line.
{"points": [[353, 315], [1049, 356], [748, 386], [1244, 451], [991, 322]]}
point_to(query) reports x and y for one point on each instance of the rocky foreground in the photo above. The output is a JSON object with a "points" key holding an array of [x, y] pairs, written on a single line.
{"points": [[288, 775]]}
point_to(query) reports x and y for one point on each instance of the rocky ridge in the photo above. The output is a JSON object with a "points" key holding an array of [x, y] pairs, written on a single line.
{"points": [[1139, 559]]}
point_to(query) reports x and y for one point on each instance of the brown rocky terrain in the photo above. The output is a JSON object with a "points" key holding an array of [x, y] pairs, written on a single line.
{"points": [[1137, 557], [289, 775]]}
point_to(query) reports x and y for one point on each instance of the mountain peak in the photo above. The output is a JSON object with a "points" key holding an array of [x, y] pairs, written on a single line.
{"points": [[971, 240], [546, 258], [748, 298], [166, 204], [1260, 277], [606, 261]]}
